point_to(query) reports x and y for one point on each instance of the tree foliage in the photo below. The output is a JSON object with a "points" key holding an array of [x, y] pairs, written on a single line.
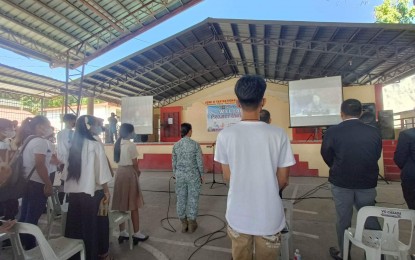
{"points": [[395, 11]]}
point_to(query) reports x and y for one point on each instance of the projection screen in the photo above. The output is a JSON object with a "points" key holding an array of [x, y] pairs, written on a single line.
{"points": [[315, 102], [138, 111]]}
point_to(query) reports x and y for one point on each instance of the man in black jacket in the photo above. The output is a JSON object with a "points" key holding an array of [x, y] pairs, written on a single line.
{"points": [[351, 149], [405, 159]]}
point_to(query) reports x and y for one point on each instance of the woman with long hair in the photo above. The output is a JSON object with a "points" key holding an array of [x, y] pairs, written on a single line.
{"points": [[188, 170], [87, 185], [36, 157], [127, 192]]}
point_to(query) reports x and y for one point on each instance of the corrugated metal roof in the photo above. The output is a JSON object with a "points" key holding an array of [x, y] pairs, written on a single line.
{"points": [[49, 30], [217, 49], [17, 81]]}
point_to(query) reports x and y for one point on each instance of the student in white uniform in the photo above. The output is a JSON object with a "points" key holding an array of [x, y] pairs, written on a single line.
{"points": [[36, 156], [64, 139], [54, 162], [87, 185], [127, 192]]}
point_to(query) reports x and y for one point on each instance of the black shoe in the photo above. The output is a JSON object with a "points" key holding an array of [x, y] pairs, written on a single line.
{"points": [[137, 239], [335, 253], [121, 239]]}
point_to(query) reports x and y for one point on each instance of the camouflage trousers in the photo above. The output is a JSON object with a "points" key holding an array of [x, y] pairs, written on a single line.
{"points": [[187, 192]]}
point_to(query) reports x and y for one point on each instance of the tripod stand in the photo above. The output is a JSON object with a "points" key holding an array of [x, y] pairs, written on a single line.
{"points": [[213, 182]]}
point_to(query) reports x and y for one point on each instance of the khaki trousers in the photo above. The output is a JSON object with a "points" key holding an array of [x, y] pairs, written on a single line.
{"points": [[243, 245]]}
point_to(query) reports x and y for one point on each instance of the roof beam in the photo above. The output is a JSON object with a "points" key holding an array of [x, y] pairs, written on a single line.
{"points": [[25, 45], [163, 88], [382, 52], [392, 74], [167, 101], [124, 38], [101, 12], [16, 95], [309, 71], [153, 65]]}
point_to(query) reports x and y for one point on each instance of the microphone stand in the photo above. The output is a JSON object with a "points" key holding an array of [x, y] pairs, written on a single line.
{"points": [[383, 178], [213, 182]]}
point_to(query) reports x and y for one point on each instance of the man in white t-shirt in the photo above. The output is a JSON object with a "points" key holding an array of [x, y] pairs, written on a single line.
{"points": [[255, 158]]}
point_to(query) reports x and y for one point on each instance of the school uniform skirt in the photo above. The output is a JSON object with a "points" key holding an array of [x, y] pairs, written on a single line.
{"points": [[127, 193]]}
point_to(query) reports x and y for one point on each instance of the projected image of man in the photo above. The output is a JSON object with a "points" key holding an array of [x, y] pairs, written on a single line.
{"points": [[316, 107]]}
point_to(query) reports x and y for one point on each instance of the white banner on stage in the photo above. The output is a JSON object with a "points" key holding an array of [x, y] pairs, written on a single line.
{"points": [[221, 116]]}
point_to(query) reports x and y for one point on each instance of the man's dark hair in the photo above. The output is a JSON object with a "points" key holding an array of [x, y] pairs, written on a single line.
{"points": [[185, 129], [264, 116], [352, 107], [250, 91], [69, 117]]}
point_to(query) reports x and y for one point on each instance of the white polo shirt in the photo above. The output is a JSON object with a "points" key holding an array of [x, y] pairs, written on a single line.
{"points": [[128, 153]]}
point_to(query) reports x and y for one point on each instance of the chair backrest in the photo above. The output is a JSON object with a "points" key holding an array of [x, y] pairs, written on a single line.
{"points": [[26, 228], [391, 218]]}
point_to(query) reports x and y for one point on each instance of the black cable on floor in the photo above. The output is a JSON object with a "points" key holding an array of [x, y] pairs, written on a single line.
{"points": [[209, 237]]}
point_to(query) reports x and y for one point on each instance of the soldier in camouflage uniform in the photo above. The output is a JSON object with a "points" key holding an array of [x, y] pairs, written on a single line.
{"points": [[188, 171]]}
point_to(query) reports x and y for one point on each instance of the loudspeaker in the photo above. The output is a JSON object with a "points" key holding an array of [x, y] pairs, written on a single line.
{"points": [[368, 114], [386, 124], [140, 138]]}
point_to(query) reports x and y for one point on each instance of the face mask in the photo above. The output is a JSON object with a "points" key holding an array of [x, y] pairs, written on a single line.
{"points": [[9, 133], [97, 130], [132, 135], [48, 132]]}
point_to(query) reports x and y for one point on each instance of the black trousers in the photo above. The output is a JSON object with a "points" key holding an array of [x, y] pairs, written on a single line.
{"points": [[408, 190], [83, 223], [9, 208]]}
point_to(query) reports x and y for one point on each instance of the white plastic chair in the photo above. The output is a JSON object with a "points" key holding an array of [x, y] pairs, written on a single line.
{"points": [[55, 249], [378, 242], [118, 217]]}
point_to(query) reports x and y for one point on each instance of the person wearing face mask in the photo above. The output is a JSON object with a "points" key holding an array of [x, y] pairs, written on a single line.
{"points": [[127, 192], [36, 156], [8, 208], [87, 185]]}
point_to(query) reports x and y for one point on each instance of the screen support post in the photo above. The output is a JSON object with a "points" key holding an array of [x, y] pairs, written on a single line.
{"points": [[314, 135]]}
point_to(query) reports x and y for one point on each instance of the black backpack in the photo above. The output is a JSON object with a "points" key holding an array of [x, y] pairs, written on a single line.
{"points": [[15, 186]]}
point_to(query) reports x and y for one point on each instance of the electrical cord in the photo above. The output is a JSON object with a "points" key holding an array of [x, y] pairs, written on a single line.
{"points": [[220, 232], [209, 237]]}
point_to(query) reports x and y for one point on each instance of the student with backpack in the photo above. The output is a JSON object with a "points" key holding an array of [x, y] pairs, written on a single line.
{"points": [[87, 185], [36, 157]]}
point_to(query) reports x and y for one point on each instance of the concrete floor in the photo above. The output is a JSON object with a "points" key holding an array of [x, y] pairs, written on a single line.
{"points": [[313, 220]]}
